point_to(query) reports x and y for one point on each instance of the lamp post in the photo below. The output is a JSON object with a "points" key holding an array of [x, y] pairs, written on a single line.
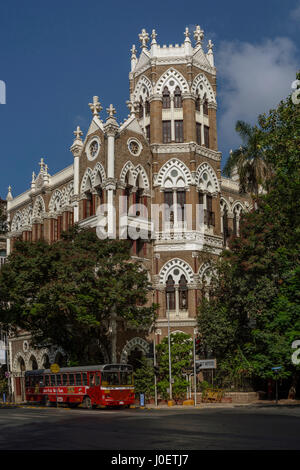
{"points": [[169, 342]]}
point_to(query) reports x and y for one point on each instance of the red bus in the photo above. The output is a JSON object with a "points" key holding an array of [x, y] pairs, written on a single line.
{"points": [[105, 385]]}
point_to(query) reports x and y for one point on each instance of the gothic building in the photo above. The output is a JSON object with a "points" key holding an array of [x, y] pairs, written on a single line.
{"points": [[158, 167]]}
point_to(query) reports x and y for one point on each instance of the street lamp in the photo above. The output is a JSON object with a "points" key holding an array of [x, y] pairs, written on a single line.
{"points": [[169, 342]]}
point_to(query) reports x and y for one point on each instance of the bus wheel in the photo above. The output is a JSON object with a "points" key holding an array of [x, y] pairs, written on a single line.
{"points": [[87, 403]]}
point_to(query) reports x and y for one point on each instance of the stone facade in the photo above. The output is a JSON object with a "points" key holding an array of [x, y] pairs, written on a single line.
{"points": [[165, 152]]}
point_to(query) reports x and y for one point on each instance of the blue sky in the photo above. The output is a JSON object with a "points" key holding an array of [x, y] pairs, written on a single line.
{"points": [[54, 56]]}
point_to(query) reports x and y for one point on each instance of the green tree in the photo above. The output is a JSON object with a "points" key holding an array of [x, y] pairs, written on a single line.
{"points": [[181, 361], [253, 315], [249, 160], [144, 379], [66, 293]]}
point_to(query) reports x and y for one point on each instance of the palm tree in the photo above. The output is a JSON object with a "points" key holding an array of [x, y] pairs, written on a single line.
{"points": [[249, 160]]}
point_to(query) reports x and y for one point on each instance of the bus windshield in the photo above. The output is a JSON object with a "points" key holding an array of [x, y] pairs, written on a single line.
{"points": [[117, 378]]}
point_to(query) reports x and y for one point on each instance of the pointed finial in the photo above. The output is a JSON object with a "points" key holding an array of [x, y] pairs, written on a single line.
{"points": [[130, 106], [210, 45], [153, 36], [9, 195], [133, 52], [42, 165], [198, 35], [111, 111], [33, 177], [78, 133], [95, 106], [144, 38], [187, 35]]}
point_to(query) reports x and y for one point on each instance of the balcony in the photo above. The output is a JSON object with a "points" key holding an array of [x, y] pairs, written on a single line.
{"points": [[2, 260]]}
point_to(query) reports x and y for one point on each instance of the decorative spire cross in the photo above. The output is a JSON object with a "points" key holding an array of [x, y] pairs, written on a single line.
{"points": [[187, 34], [95, 106], [78, 133], [111, 111], [144, 38], [198, 35], [210, 45], [153, 36]]}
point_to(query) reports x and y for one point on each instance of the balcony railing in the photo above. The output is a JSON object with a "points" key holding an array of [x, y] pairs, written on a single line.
{"points": [[2, 260]]}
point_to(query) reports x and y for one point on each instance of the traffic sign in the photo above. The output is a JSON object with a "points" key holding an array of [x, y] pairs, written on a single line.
{"points": [[54, 368], [206, 364]]}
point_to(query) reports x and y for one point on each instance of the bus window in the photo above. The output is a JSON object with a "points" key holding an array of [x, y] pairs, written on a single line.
{"points": [[78, 379], [53, 380], [97, 382], [126, 378], [110, 378], [27, 381], [84, 378], [65, 379], [58, 379], [47, 380], [92, 380], [41, 380], [71, 379]]}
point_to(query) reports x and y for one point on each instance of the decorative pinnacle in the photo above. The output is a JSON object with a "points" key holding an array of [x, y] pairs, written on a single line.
{"points": [[133, 52], [42, 165], [78, 133], [210, 45], [187, 35], [9, 195], [95, 106], [153, 35], [198, 35], [111, 111], [144, 38]]}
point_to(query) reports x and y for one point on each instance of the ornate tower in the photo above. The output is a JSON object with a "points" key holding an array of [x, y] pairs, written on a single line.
{"points": [[173, 96]]}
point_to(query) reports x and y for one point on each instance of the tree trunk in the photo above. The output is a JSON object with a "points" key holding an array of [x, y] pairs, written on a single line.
{"points": [[113, 329], [292, 390]]}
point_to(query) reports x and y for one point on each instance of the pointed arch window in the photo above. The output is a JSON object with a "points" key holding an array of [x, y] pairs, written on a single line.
{"points": [[166, 100], [170, 293], [141, 109], [147, 107], [177, 98], [205, 106], [197, 103], [183, 293], [225, 226]]}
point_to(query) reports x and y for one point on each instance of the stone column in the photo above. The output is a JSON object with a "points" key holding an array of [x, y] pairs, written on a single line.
{"points": [[212, 116], [155, 119], [189, 119], [76, 150]]}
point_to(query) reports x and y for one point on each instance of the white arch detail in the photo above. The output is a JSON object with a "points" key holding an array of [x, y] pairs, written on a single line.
{"points": [[98, 170], [56, 201], [166, 169], [39, 207], [201, 80], [209, 183], [88, 175], [143, 83], [135, 171], [171, 267], [17, 222], [177, 77], [136, 342]]}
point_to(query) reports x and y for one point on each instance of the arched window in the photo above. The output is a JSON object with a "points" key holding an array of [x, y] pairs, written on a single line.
{"points": [[225, 226], [177, 98], [205, 105], [141, 109], [170, 293], [166, 102], [197, 103], [183, 293], [147, 108], [89, 205]]}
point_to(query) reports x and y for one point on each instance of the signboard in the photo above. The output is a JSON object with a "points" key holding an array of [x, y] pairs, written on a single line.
{"points": [[206, 364], [54, 368]]}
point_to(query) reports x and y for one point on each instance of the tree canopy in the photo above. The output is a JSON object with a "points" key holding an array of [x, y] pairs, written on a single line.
{"points": [[64, 293], [253, 314]]}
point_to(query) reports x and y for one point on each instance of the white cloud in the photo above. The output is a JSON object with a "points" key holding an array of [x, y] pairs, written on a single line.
{"points": [[295, 13], [252, 79]]}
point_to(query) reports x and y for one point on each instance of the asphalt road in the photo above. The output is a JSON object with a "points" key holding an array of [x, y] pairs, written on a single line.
{"points": [[239, 428]]}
